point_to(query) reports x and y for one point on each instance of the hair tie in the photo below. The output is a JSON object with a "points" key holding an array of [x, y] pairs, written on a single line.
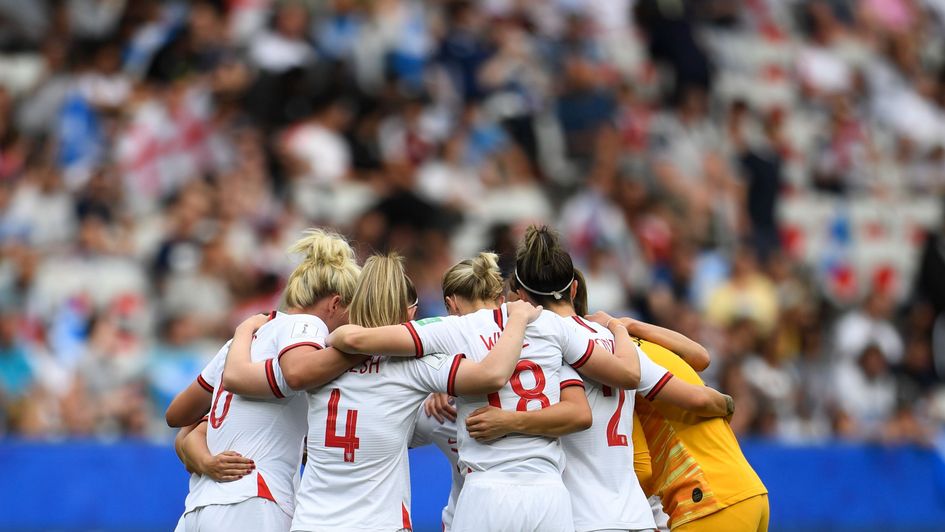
{"points": [[556, 293]]}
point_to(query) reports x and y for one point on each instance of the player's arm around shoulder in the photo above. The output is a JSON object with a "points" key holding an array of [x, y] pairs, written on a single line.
{"points": [[620, 369], [491, 373], [395, 340], [240, 374], [692, 352], [571, 414]]}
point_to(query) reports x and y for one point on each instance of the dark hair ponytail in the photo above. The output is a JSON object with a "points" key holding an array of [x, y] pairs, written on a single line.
{"points": [[542, 267]]}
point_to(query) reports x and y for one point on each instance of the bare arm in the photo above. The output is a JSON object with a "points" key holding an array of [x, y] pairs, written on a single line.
{"points": [[620, 369], [303, 367], [391, 340], [700, 400], [224, 467], [178, 447], [689, 350], [571, 414], [188, 406], [494, 371], [240, 374]]}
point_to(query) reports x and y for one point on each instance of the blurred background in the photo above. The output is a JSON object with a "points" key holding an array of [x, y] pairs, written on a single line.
{"points": [[765, 176]]}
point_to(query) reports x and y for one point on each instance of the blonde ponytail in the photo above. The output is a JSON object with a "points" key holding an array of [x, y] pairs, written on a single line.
{"points": [[328, 267], [383, 293], [476, 279]]}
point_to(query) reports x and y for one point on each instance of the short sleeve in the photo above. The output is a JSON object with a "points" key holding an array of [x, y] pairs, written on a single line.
{"points": [[652, 376], [569, 377], [303, 330], [276, 380], [209, 378], [433, 373], [577, 344], [437, 335]]}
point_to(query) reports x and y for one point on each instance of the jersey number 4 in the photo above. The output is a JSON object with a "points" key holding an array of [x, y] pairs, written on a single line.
{"points": [[525, 394], [613, 438], [349, 442]]}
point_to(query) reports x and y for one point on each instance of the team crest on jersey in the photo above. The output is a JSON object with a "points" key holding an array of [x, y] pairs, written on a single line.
{"points": [[303, 329], [434, 360], [427, 321]]}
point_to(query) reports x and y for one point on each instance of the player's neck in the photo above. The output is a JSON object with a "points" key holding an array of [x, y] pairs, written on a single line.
{"points": [[466, 307], [314, 310], [561, 309]]}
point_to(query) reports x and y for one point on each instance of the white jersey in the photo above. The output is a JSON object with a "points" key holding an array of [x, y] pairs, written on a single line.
{"points": [[357, 476], [605, 493], [269, 431], [443, 435], [534, 383]]}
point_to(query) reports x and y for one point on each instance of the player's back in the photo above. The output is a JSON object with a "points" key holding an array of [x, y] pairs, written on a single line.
{"points": [[269, 431], [534, 384], [598, 458], [698, 466], [357, 475]]}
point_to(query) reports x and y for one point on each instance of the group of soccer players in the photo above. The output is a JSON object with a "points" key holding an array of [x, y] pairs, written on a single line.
{"points": [[533, 401]]}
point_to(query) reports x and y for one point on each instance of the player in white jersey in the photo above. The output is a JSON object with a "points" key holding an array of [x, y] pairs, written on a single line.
{"points": [[359, 428], [270, 431], [599, 460], [515, 483]]}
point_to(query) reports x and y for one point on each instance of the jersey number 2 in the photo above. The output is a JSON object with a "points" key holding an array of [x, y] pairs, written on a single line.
{"points": [[349, 442], [613, 438], [525, 394]]}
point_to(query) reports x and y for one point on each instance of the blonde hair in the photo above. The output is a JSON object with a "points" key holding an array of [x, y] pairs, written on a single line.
{"points": [[328, 268], [383, 293], [476, 279]]}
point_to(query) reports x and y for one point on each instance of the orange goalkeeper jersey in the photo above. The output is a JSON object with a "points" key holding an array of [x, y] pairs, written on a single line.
{"points": [[697, 466]]}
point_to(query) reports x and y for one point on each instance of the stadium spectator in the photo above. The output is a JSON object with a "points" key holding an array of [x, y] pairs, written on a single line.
{"points": [[744, 172]]}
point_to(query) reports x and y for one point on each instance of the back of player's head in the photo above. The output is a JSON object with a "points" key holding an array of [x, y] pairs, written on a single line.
{"points": [[384, 293], [580, 295], [475, 279], [543, 269], [328, 268]]}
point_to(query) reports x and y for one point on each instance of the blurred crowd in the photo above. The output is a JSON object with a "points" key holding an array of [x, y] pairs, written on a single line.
{"points": [[157, 158]]}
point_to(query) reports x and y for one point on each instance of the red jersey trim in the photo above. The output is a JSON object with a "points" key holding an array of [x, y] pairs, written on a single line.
{"points": [[499, 319], [451, 379], [571, 382], [583, 323], [272, 315], [204, 384], [271, 377], [417, 344], [659, 386], [587, 354], [262, 490], [406, 516], [286, 349]]}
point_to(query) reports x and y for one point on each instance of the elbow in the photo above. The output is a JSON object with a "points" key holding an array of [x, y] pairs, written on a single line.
{"points": [[294, 379], [631, 380], [173, 420], [702, 359], [583, 420], [495, 383]]}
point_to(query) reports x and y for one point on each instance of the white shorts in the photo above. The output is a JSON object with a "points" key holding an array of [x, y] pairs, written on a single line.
{"points": [[662, 520], [252, 515], [513, 502]]}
